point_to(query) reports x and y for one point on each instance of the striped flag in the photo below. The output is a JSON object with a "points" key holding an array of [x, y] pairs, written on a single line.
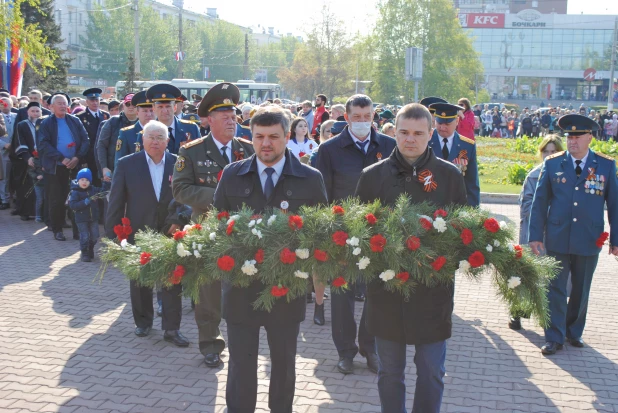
{"points": [[13, 65]]}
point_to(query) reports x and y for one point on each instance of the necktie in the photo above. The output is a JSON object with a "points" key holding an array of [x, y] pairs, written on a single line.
{"points": [[445, 149], [224, 154], [269, 186], [170, 134], [362, 145], [578, 169]]}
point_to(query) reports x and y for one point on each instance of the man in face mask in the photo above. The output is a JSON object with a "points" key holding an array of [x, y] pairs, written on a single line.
{"points": [[341, 161]]}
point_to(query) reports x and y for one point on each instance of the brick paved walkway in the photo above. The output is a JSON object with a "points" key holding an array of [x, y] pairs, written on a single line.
{"points": [[67, 345]]}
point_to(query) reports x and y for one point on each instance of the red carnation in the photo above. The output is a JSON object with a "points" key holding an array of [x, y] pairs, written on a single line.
{"points": [[223, 215], [71, 145], [259, 256], [35, 154], [178, 235], [279, 291], [125, 221], [403, 276], [377, 243], [491, 225], [145, 258], [127, 231], [219, 175], [476, 259], [339, 282], [438, 263], [225, 263], [519, 251], [440, 213], [256, 216], [287, 257], [301, 154], [338, 210], [197, 227], [466, 236], [177, 275], [120, 232], [320, 255], [230, 228], [601, 240], [425, 223], [413, 243], [340, 238], [295, 222], [371, 219]]}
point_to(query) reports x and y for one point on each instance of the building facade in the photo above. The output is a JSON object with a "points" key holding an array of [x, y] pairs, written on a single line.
{"points": [[532, 55]]}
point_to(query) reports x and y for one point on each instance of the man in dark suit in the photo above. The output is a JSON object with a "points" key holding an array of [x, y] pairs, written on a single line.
{"points": [[63, 146], [341, 160], [270, 178], [141, 191], [92, 117]]}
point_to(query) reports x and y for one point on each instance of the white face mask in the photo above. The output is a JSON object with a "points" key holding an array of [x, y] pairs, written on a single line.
{"points": [[360, 129]]}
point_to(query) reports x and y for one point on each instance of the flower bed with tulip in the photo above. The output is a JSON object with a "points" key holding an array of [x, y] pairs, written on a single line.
{"points": [[399, 247]]}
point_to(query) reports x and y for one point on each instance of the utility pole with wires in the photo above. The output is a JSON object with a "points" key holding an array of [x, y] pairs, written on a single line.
{"points": [[612, 70], [136, 54]]}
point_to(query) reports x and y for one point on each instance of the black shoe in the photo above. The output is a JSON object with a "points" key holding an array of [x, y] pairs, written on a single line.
{"points": [[515, 323], [576, 342], [25, 218], [59, 236], [4, 206], [309, 298], [212, 360], [142, 331], [359, 297], [160, 310], [318, 314], [174, 337], [345, 365], [85, 257], [325, 295], [372, 362], [551, 347], [91, 253]]}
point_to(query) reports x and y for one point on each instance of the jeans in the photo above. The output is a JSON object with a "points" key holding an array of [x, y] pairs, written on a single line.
{"points": [[429, 360], [39, 190], [88, 234]]}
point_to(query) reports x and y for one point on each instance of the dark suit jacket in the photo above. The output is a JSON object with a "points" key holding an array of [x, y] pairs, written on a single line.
{"points": [[132, 191], [240, 184], [23, 140], [341, 161]]}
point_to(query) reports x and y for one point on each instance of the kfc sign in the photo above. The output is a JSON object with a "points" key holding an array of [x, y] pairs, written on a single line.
{"points": [[482, 20]]}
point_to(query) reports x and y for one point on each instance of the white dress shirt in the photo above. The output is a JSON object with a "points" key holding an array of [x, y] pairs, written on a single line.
{"points": [[449, 142], [96, 114], [582, 159], [156, 174], [355, 139], [306, 147], [228, 151], [278, 167]]}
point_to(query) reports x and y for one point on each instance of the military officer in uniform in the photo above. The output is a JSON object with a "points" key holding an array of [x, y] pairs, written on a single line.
{"points": [[165, 98], [128, 141], [458, 150], [91, 118], [430, 100], [197, 172], [568, 212]]}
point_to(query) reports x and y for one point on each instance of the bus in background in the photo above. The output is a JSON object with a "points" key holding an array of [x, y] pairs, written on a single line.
{"points": [[250, 91]]}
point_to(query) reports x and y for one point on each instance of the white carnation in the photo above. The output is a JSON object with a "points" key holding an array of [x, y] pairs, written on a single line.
{"points": [[363, 263], [439, 224], [356, 251], [271, 220], [124, 243], [489, 248], [249, 268], [511, 247], [387, 275], [503, 225], [496, 243], [251, 223], [232, 218], [259, 221], [353, 242], [464, 266], [186, 228], [301, 274], [303, 254], [197, 254], [199, 247], [257, 233], [181, 251], [212, 236], [514, 282]]}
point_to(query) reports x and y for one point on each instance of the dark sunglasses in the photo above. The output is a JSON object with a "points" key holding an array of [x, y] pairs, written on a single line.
{"points": [[127, 104]]}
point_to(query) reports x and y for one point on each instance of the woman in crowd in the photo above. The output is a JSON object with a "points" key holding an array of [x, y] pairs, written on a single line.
{"points": [[487, 122], [550, 145], [388, 129], [300, 142], [466, 119]]}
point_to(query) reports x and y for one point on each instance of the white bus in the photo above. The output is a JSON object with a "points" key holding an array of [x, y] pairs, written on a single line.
{"points": [[250, 91]]}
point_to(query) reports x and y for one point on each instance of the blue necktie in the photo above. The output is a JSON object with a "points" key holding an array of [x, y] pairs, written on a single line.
{"points": [[362, 145], [224, 154], [269, 186]]}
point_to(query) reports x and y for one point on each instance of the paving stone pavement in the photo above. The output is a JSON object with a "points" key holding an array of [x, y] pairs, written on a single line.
{"points": [[67, 345]]}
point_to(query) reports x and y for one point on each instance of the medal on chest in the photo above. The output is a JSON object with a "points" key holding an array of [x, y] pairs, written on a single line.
{"points": [[461, 161]]}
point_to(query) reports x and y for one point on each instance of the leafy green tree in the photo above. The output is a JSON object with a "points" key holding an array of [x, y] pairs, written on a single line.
{"points": [[222, 50], [274, 56]]}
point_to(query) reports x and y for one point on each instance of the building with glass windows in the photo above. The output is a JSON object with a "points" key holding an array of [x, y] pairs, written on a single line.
{"points": [[530, 55]]}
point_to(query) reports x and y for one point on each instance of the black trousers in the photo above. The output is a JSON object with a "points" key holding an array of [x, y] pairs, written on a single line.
{"points": [[344, 326], [143, 310], [242, 383], [57, 190], [22, 184]]}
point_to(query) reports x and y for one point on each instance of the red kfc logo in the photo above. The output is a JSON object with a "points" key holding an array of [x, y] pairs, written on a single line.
{"points": [[485, 20]]}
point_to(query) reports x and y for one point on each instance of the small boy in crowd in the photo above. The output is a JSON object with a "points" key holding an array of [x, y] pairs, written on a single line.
{"points": [[36, 174], [86, 211]]}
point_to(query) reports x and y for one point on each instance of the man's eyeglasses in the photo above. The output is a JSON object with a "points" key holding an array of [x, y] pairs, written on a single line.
{"points": [[128, 104]]}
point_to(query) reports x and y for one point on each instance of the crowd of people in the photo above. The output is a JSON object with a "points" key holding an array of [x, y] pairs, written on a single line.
{"points": [[161, 162]]}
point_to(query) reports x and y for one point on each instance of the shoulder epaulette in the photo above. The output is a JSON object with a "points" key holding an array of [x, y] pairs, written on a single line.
{"points": [[187, 121], [602, 155], [193, 143], [244, 126], [128, 127], [556, 155], [243, 140], [468, 140]]}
